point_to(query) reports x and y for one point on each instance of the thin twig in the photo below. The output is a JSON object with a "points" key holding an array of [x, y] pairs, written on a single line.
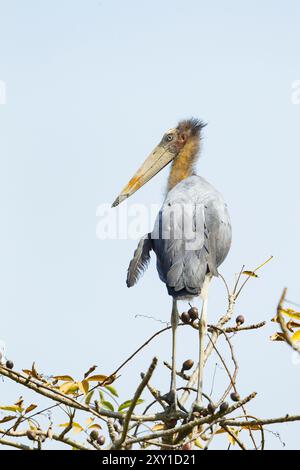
{"points": [[118, 444]]}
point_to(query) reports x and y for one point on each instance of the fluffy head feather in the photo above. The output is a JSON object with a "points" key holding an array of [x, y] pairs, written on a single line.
{"points": [[188, 136]]}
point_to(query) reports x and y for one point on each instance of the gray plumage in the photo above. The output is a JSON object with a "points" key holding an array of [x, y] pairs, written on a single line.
{"points": [[191, 238], [140, 261]]}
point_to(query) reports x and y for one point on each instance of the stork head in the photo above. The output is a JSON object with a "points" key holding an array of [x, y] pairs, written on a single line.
{"points": [[176, 143]]}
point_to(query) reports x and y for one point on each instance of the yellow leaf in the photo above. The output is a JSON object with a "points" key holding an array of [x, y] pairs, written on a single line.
{"points": [[296, 336], [30, 408], [277, 337], [290, 313], [235, 432], [76, 427], [83, 386], [12, 408], [253, 427], [158, 427], [97, 378], [64, 378], [68, 387], [199, 444], [250, 273], [221, 431], [32, 425], [89, 421]]}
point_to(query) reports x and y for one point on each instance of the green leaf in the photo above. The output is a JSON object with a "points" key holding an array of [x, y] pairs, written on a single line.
{"points": [[89, 397], [112, 390], [127, 404], [108, 405]]}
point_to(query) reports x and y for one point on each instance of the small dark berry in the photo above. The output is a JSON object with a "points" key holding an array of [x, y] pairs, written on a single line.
{"points": [[31, 435], [101, 440], [224, 407], [9, 364], [171, 423], [198, 409], [240, 320], [211, 408], [235, 396], [185, 318], [187, 446], [94, 435], [193, 313], [187, 365]]}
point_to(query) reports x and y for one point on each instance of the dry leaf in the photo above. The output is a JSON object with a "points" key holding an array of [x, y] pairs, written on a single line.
{"points": [[97, 378], [277, 337], [250, 273], [64, 378], [7, 418], [95, 426], [30, 408], [292, 324], [91, 369], [83, 386]]}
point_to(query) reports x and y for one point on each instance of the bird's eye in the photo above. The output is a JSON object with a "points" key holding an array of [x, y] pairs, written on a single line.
{"points": [[169, 137]]}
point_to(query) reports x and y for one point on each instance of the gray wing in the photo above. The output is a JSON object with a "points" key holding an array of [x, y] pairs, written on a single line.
{"points": [[191, 237], [140, 261]]}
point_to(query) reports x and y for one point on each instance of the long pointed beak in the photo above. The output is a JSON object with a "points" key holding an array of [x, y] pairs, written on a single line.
{"points": [[157, 160]]}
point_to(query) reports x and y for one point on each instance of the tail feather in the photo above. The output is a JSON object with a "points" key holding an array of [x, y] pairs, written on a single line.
{"points": [[140, 261]]}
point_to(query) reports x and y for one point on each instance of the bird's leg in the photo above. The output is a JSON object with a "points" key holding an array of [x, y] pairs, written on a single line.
{"points": [[202, 335], [174, 323]]}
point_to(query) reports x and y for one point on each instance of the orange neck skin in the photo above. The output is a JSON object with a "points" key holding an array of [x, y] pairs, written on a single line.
{"points": [[183, 164]]}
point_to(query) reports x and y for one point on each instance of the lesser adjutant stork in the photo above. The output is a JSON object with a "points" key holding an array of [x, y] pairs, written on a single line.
{"points": [[192, 232]]}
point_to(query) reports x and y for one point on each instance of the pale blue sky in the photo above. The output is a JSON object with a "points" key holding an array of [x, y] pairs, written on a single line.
{"points": [[91, 87]]}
